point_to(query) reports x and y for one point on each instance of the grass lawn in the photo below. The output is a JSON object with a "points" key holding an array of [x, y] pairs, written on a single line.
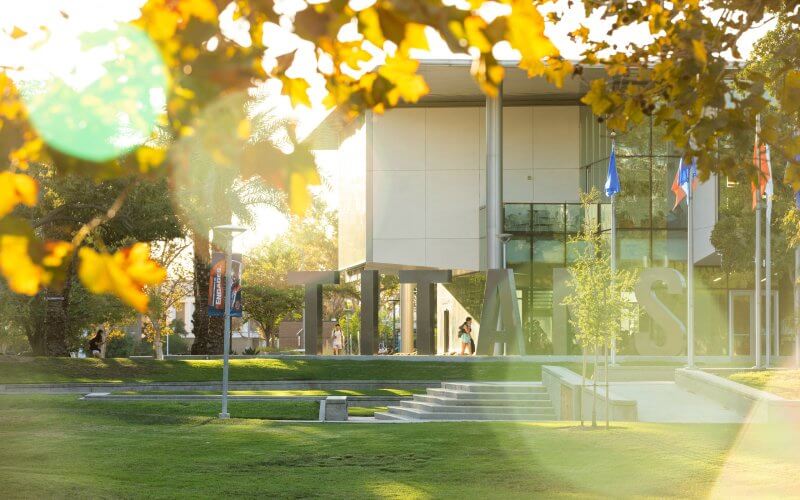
{"points": [[58, 446], [19, 370], [784, 383], [365, 411], [288, 392]]}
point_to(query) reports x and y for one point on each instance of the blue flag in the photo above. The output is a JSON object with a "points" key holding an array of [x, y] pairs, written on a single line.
{"points": [[612, 179]]}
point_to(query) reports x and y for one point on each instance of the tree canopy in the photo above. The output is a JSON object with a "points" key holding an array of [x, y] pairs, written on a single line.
{"points": [[155, 108]]}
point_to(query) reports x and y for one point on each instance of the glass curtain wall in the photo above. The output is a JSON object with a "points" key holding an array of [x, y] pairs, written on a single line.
{"points": [[651, 233]]}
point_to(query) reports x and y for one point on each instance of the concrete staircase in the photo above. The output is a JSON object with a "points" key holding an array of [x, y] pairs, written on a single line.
{"points": [[456, 401]]}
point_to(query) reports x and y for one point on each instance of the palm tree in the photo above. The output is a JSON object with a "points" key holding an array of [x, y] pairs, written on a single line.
{"points": [[236, 162]]}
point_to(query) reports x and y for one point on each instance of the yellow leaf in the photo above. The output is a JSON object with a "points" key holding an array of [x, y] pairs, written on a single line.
{"points": [[370, 26], [124, 274], [161, 23], [149, 158], [243, 130], [526, 34], [56, 253], [473, 31], [299, 196], [15, 189], [599, 98], [189, 53], [402, 72], [205, 10], [18, 32], [415, 37], [351, 54], [21, 273], [30, 151], [700, 53], [296, 89]]}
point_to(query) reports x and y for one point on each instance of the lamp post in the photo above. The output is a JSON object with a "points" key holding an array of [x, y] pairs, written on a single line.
{"points": [[504, 239], [229, 231]]}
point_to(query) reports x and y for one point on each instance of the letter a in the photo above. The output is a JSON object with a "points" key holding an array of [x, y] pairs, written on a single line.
{"points": [[500, 302]]}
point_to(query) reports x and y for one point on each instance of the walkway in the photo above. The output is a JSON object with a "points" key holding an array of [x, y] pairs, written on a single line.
{"points": [[668, 403]]}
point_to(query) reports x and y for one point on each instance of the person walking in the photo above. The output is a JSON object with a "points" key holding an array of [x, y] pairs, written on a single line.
{"points": [[337, 336], [465, 335], [96, 344]]}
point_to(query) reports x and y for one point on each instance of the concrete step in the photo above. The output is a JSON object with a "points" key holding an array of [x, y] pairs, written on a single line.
{"points": [[436, 408], [427, 398], [524, 403], [521, 387], [465, 395], [413, 414], [390, 416]]}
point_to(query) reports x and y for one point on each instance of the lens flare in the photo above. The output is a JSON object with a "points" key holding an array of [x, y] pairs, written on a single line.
{"points": [[234, 160], [101, 96]]}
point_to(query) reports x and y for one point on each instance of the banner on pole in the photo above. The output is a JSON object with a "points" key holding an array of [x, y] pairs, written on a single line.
{"points": [[216, 286]]}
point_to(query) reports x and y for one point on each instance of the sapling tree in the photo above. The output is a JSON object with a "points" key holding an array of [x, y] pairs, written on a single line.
{"points": [[598, 299]]}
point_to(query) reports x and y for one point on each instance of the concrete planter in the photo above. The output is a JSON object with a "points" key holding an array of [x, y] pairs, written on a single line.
{"points": [[564, 387], [760, 406]]}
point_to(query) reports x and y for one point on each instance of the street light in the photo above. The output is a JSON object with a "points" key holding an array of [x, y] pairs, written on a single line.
{"points": [[229, 231], [505, 238]]}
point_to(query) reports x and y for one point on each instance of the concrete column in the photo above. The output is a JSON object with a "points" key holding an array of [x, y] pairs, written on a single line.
{"points": [[407, 317], [370, 299], [494, 180], [312, 311], [426, 304]]}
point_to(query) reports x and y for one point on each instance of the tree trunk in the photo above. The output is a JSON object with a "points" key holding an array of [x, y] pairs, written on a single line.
{"points": [[594, 396], [34, 327], [608, 394], [202, 270], [158, 349], [55, 325], [583, 384]]}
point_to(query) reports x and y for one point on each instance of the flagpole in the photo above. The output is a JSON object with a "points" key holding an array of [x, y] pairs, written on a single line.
{"points": [[768, 272], [757, 312], [613, 246], [690, 271], [757, 298]]}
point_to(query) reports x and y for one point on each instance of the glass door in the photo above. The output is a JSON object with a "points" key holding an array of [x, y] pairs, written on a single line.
{"points": [[741, 313], [741, 323]]}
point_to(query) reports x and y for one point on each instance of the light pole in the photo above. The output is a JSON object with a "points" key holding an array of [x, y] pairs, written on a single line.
{"points": [[229, 231], [504, 239]]}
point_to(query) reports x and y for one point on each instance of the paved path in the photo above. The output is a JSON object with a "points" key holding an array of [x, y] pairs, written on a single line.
{"points": [[85, 388], [666, 402]]}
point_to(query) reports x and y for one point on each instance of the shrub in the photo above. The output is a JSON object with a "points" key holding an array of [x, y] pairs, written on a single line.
{"points": [[119, 344]]}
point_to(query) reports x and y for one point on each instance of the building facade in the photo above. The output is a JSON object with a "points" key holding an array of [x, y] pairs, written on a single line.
{"points": [[413, 195]]}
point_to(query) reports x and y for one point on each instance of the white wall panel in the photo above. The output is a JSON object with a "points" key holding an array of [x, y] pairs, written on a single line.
{"points": [[556, 185], [404, 252], [459, 254], [517, 138], [451, 138], [452, 204], [398, 204], [517, 186], [705, 217], [352, 193], [556, 137], [399, 140]]}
